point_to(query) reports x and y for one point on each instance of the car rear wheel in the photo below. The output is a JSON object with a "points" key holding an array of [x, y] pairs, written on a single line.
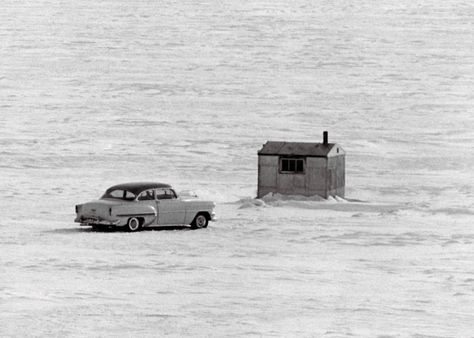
{"points": [[133, 224], [200, 221]]}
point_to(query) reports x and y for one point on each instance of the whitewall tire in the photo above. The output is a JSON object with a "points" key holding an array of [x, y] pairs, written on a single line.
{"points": [[133, 224]]}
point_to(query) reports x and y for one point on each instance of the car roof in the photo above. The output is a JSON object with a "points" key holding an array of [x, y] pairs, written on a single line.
{"points": [[138, 187]]}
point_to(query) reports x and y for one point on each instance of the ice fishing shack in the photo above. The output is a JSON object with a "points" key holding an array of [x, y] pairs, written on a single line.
{"points": [[301, 168]]}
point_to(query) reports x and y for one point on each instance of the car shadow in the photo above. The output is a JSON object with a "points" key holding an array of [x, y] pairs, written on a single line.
{"points": [[112, 229], [167, 228]]}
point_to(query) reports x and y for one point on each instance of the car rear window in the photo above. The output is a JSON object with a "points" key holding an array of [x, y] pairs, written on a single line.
{"points": [[120, 194]]}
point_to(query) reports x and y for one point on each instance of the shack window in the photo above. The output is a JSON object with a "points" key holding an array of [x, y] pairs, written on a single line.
{"points": [[292, 165]]}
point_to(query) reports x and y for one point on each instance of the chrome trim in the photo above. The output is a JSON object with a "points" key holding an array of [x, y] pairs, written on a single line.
{"points": [[95, 221], [132, 215]]}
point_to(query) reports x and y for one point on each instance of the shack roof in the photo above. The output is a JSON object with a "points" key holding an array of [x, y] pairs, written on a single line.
{"points": [[313, 149]]}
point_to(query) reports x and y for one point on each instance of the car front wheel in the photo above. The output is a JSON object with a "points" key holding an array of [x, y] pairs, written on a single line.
{"points": [[133, 224], [200, 221]]}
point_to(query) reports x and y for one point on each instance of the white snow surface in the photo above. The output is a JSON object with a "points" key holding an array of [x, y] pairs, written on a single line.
{"points": [[95, 93]]}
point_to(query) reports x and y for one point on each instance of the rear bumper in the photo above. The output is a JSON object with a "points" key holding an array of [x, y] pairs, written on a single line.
{"points": [[87, 221], [213, 217]]}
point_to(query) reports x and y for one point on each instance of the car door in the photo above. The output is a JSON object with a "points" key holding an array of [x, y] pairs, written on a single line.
{"points": [[147, 197], [171, 210]]}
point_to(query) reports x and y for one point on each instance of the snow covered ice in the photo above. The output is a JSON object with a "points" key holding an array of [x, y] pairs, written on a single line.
{"points": [[95, 93]]}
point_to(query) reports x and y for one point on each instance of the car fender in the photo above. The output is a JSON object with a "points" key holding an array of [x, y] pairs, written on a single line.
{"points": [[193, 207], [147, 213]]}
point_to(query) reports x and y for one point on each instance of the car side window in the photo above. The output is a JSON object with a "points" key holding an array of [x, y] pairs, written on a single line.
{"points": [[171, 193], [129, 196], [117, 194], [160, 194], [147, 195], [165, 194]]}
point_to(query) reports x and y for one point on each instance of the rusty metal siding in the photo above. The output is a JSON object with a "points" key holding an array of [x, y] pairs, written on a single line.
{"points": [[341, 174], [291, 184], [336, 151], [336, 181], [267, 174], [316, 182]]}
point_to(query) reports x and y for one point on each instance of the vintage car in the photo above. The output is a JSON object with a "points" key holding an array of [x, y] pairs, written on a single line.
{"points": [[132, 206]]}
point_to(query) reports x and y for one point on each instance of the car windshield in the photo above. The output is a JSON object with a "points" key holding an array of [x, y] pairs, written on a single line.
{"points": [[119, 194]]}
